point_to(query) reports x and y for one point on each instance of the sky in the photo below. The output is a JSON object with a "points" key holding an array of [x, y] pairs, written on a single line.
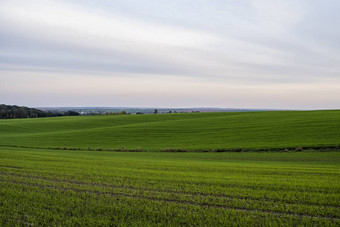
{"points": [[276, 54]]}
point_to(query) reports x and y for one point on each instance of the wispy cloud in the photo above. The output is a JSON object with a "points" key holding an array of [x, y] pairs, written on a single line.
{"points": [[207, 51]]}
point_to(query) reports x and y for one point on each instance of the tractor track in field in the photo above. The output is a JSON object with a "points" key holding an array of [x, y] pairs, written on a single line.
{"points": [[271, 187], [85, 191], [55, 180], [11, 167]]}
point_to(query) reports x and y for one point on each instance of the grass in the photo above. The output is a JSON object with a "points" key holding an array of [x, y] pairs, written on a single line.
{"points": [[196, 131], [56, 187]]}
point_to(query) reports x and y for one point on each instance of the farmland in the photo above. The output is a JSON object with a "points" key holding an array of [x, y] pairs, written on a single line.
{"points": [[42, 187], [43, 184], [195, 131]]}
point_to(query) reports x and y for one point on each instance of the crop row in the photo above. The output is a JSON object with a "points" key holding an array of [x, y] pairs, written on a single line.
{"points": [[304, 198], [248, 201], [41, 205], [46, 187]]}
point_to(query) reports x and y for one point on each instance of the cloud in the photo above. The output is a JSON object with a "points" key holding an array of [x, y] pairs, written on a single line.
{"points": [[206, 51], [104, 35], [161, 91]]}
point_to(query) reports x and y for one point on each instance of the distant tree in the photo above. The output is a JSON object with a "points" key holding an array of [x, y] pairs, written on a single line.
{"points": [[156, 111], [122, 112], [10, 112], [71, 113]]}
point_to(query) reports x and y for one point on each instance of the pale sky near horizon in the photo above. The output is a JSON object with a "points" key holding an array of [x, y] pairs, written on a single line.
{"points": [[282, 54]]}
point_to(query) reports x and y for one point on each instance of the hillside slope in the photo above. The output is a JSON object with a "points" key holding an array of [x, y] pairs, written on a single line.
{"points": [[194, 131]]}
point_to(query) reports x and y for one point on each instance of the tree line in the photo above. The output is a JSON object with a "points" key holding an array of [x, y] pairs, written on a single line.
{"points": [[11, 112]]}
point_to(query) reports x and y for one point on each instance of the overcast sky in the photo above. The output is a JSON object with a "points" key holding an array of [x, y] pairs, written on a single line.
{"points": [[171, 53]]}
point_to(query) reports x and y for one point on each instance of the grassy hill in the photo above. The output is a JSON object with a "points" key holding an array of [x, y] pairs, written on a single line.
{"points": [[53, 187], [192, 131]]}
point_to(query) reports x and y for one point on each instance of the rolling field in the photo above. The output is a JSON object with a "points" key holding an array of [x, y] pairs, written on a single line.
{"points": [[196, 131], [43, 185], [57, 187]]}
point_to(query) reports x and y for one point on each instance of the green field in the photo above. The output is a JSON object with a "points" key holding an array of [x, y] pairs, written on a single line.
{"points": [[45, 187], [196, 131], [42, 186]]}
